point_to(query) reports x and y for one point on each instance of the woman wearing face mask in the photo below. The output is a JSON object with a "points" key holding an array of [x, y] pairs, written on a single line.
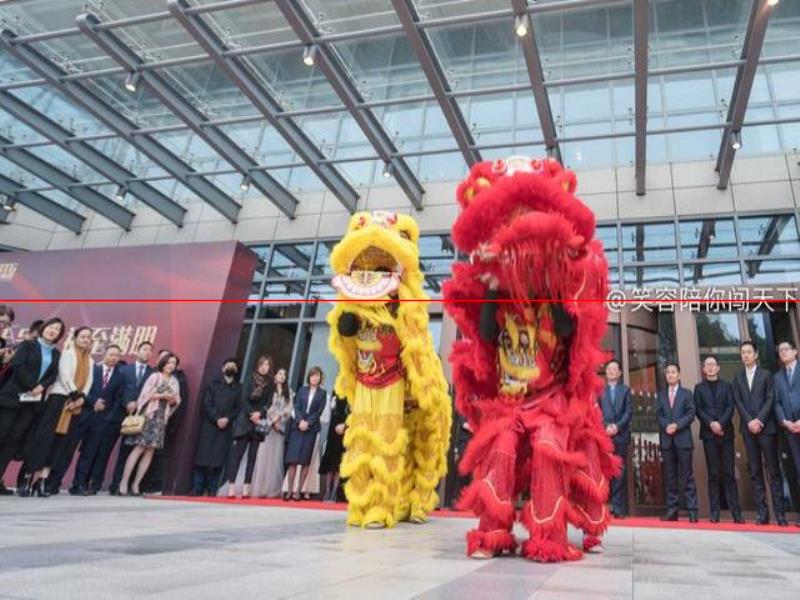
{"points": [[221, 405], [268, 476], [64, 404], [246, 438], [34, 368]]}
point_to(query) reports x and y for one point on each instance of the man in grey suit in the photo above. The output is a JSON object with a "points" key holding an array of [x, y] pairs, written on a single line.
{"points": [[617, 413], [676, 412], [787, 400], [753, 390]]}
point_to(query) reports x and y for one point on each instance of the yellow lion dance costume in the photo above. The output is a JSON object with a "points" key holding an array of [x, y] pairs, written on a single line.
{"points": [[398, 431]]}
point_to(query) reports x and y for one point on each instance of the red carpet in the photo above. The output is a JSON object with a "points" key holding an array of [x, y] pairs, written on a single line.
{"points": [[646, 522]]}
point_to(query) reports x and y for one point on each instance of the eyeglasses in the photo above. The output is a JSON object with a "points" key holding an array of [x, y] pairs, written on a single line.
{"points": [[785, 349]]}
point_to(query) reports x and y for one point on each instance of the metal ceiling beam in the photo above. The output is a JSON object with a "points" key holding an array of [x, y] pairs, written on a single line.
{"points": [[239, 72], [742, 86], [533, 61], [78, 93], [334, 69], [42, 205], [426, 54], [87, 153], [185, 111], [89, 197], [641, 30]]}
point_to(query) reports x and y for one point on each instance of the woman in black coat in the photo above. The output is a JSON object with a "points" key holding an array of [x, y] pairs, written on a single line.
{"points": [[221, 405], [334, 448], [34, 368], [256, 398], [309, 402]]}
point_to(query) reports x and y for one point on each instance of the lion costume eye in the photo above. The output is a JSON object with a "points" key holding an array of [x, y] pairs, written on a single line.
{"points": [[480, 183], [404, 234]]}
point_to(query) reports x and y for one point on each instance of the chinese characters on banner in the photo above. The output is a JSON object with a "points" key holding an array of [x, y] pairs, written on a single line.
{"points": [[733, 299]]}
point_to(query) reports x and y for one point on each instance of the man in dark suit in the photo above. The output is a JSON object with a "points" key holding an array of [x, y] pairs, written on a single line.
{"points": [[133, 377], [787, 400], [713, 400], [753, 391], [675, 411], [617, 414], [99, 410]]}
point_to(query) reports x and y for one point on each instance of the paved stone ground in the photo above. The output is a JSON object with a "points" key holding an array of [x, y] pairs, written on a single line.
{"points": [[104, 547]]}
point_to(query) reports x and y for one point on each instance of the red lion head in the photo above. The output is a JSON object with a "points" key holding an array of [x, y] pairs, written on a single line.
{"points": [[522, 224]]}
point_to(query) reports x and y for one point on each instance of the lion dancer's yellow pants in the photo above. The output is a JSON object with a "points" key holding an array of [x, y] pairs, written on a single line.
{"points": [[375, 456]]}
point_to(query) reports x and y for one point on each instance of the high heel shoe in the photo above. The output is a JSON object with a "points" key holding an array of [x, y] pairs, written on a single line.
{"points": [[40, 489]]}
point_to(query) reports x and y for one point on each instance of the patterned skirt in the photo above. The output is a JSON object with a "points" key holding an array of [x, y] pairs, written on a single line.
{"points": [[155, 427]]}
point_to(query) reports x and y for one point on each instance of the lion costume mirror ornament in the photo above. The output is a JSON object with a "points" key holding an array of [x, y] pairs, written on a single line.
{"points": [[525, 370], [398, 431]]}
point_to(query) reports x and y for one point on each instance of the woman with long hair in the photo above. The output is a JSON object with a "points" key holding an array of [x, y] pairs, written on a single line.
{"points": [[247, 431], [64, 403], [269, 470], [160, 396], [308, 406]]}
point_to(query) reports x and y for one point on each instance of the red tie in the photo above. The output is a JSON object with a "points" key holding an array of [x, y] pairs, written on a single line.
{"points": [[106, 376], [672, 398]]}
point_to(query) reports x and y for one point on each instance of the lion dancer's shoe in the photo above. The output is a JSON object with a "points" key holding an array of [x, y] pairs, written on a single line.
{"points": [[546, 520], [490, 497]]}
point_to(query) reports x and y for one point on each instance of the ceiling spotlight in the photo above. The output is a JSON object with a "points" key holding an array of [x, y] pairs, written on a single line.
{"points": [[736, 140], [521, 25], [773, 2], [10, 204], [122, 191], [388, 170], [132, 81], [309, 54], [245, 185]]}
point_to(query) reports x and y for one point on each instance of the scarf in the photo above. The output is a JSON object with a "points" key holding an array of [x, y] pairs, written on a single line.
{"points": [[82, 368], [259, 383]]}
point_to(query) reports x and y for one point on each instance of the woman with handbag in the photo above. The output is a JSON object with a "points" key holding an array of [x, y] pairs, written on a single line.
{"points": [[34, 368], [158, 400], [64, 403], [268, 476], [249, 430]]}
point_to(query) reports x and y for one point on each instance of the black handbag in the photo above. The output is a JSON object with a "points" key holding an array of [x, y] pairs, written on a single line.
{"points": [[261, 429]]}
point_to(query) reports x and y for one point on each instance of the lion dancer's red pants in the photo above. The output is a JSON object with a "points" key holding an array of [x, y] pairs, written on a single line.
{"points": [[562, 463]]}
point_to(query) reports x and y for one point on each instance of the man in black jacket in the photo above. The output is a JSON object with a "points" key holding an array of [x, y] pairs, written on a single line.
{"points": [[675, 411], [754, 395], [617, 414], [713, 399]]}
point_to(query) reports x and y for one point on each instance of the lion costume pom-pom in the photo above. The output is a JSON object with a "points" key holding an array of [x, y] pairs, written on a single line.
{"points": [[525, 368]]}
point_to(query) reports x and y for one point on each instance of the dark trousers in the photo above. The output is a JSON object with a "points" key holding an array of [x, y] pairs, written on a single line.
{"points": [[678, 468], [205, 480], [793, 441], [720, 463], [92, 446], [764, 446], [76, 437], [619, 486], [15, 424], [240, 445]]}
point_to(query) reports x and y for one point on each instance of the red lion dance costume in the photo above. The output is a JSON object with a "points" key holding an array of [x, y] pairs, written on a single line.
{"points": [[525, 370]]}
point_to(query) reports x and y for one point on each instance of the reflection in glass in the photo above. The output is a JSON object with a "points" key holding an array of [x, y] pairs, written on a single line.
{"points": [[774, 235], [708, 238], [710, 274], [285, 300], [718, 334], [320, 290], [275, 340], [760, 272], [648, 242], [651, 277], [291, 260]]}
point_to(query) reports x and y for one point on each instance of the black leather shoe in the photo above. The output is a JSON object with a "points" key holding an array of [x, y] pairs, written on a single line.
{"points": [[670, 516], [738, 519], [113, 492], [40, 489], [762, 521], [693, 517], [782, 521], [92, 492], [4, 491], [714, 518], [79, 491]]}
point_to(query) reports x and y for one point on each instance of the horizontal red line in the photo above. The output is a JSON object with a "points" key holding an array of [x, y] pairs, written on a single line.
{"points": [[433, 301]]}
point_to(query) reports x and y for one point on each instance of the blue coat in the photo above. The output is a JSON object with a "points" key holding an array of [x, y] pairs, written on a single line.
{"points": [[129, 389], [618, 410], [787, 395], [682, 414]]}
